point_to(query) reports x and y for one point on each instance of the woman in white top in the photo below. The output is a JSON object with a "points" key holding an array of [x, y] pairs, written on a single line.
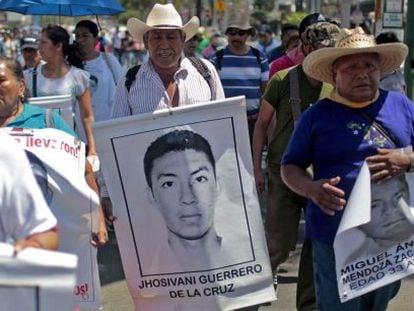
{"points": [[62, 74], [25, 218]]}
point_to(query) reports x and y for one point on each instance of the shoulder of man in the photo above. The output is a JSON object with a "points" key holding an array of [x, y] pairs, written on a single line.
{"points": [[278, 82], [282, 74], [257, 52], [131, 76]]}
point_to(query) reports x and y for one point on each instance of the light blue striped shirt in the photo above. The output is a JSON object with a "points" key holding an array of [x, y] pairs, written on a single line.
{"points": [[147, 92], [243, 75]]}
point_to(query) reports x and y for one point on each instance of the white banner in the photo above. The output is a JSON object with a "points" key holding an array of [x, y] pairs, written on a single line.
{"points": [[374, 245], [188, 219], [58, 162], [36, 279]]}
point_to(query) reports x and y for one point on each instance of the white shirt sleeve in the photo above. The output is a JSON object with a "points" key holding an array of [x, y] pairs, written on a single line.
{"points": [[23, 209]]}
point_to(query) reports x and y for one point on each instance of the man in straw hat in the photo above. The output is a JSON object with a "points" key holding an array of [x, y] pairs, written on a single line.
{"points": [[167, 79], [284, 207], [243, 69], [336, 136]]}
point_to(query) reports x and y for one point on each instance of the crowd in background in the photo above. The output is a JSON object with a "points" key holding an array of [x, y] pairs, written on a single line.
{"points": [[276, 52]]}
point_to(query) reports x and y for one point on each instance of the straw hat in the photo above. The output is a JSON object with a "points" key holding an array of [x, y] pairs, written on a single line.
{"points": [[318, 64], [239, 19], [163, 16]]}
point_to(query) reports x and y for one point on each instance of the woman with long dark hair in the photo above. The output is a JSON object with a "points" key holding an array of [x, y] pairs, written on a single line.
{"points": [[62, 74]]}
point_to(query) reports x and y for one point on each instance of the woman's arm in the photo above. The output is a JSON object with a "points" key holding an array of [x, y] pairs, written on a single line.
{"points": [[87, 118], [100, 237], [46, 240]]}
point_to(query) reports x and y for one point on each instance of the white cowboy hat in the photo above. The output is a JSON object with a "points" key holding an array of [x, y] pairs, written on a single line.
{"points": [[163, 16], [318, 64]]}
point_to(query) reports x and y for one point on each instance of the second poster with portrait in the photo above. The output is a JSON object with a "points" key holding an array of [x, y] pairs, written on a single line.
{"points": [[374, 245], [188, 219]]}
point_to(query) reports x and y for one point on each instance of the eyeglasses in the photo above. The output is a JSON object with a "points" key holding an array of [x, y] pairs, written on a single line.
{"points": [[240, 33]]}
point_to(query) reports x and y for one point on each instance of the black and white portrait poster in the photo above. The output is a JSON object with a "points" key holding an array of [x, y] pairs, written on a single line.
{"points": [[58, 160], [36, 279], [188, 219], [374, 245]]}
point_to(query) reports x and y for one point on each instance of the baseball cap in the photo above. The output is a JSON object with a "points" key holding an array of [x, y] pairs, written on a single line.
{"points": [[264, 29], [30, 42], [321, 33], [309, 20]]}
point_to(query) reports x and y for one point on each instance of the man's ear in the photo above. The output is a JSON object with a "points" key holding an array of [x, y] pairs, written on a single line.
{"points": [[145, 40], [150, 195], [333, 75], [218, 186], [22, 88], [60, 46]]}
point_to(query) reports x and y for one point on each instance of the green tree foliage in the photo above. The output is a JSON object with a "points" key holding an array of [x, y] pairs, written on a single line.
{"points": [[295, 18], [135, 8], [264, 5]]}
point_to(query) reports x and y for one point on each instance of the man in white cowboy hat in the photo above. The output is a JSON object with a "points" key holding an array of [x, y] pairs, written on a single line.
{"points": [[358, 122], [167, 79], [284, 207], [243, 69]]}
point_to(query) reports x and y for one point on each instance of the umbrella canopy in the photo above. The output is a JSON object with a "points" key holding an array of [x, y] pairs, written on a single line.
{"points": [[62, 7]]}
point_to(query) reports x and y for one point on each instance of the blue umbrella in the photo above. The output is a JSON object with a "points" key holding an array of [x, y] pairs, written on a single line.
{"points": [[62, 7]]}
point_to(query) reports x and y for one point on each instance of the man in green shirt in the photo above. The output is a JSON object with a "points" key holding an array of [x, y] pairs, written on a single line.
{"points": [[283, 206]]}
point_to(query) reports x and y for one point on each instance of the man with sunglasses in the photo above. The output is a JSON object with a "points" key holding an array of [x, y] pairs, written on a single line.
{"points": [[243, 69]]}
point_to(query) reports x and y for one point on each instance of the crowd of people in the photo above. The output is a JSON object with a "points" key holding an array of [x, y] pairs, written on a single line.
{"points": [[301, 92]]}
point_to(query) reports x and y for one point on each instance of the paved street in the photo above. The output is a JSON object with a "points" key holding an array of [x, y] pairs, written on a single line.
{"points": [[116, 296]]}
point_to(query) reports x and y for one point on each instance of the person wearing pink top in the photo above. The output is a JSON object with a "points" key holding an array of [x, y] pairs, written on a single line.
{"points": [[292, 58]]}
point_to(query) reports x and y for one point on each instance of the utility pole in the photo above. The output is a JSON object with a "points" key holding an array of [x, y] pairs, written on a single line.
{"points": [[345, 13], [314, 6], [198, 8]]}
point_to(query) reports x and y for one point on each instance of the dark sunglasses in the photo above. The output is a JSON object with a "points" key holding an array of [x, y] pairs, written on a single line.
{"points": [[240, 33]]}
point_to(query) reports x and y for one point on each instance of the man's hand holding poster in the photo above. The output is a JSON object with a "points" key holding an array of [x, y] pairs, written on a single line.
{"points": [[58, 163], [374, 245], [188, 219]]}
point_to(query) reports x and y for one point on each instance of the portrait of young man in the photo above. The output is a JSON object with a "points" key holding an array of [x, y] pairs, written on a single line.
{"points": [[390, 213], [182, 192], [181, 173]]}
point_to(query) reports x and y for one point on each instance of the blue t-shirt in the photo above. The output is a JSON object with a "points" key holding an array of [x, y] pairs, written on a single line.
{"points": [[34, 117], [336, 139], [243, 75]]}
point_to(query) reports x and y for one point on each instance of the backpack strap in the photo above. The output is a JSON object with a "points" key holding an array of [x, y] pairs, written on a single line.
{"points": [[108, 63], [205, 72], [131, 76], [34, 82], [219, 58], [256, 53], [294, 99], [49, 118]]}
